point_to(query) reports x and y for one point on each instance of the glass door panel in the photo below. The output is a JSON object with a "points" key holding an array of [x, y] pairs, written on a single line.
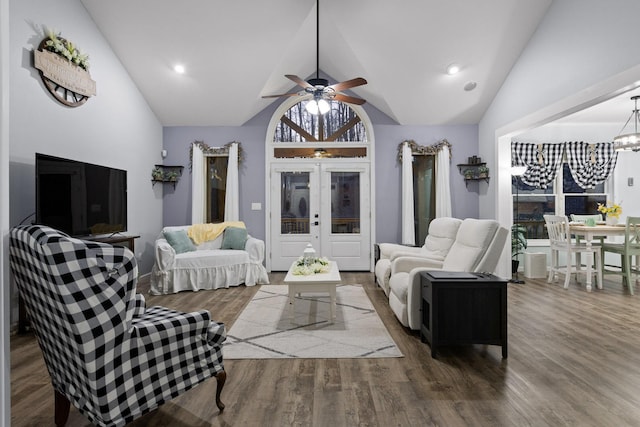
{"points": [[345, 202], [294, 202]]}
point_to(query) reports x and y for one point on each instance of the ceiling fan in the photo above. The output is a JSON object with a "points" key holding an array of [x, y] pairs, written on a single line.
{"points": [[321, 90]]}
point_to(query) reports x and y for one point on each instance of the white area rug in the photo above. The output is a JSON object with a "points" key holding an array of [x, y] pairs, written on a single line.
{"points": [[265, 329]]}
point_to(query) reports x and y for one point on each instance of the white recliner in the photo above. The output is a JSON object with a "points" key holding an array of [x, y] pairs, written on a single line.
{"points": [[441, 235], [477, 247]]}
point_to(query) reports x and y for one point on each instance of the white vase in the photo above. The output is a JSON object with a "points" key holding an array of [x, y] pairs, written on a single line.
{"points": [[612, 220]]}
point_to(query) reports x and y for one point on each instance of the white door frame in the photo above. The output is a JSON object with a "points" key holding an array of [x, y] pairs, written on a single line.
{"points": [[351, 249], [269, 158]]}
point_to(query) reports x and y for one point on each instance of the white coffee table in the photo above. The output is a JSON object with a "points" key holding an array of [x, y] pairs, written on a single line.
{"points": [[322, 282]]}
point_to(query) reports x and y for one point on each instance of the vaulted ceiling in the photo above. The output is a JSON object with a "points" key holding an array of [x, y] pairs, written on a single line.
{"points": [[235, 52]]}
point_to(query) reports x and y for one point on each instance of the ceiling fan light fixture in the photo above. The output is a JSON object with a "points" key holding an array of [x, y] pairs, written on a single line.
{"points": [[317, 106], [320, 88], [629, 141]]}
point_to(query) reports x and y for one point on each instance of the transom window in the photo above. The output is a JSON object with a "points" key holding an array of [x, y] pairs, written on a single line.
{"points": [[339, 124], [339, 133]]}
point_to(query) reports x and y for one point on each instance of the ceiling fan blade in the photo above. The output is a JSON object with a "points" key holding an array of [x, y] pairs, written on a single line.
{"points": [[298, 81], [282, 94], [349, 99], [339, 87]]}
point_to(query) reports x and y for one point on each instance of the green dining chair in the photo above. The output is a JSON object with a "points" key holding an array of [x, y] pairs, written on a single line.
{"points": [[627, 250]]}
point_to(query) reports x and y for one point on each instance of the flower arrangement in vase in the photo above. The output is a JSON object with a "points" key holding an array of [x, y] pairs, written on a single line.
{"points": [[612, 211], [305, 267]]}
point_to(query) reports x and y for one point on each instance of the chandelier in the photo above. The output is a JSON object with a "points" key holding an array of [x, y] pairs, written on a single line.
{"points": [[629, 141]]}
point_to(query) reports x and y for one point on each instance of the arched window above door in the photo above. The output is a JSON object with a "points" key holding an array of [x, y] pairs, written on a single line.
{"points": [[338, 133], [340, 124]]}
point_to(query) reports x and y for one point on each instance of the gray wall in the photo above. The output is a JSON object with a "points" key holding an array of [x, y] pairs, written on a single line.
{"points": [[177, 202], [116, 128]]}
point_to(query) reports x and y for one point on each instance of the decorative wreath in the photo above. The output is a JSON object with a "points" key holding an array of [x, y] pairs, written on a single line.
{"points": [[64, 70]]}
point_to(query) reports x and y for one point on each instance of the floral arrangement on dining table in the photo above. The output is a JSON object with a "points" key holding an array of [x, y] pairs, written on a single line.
{"points": [[613, 210], [304, 267]]}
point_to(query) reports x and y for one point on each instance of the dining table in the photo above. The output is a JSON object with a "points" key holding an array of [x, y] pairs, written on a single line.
{"points": [[592, 232]]}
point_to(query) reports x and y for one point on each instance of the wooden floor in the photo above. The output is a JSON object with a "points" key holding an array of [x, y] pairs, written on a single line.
{"points": [[574, 359]]}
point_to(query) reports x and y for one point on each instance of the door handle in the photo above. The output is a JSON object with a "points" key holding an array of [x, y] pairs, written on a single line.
{"points": [[316, 223]]}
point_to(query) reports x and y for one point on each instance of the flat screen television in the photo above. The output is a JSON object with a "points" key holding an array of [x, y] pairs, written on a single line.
{"points": [[78, 198]]}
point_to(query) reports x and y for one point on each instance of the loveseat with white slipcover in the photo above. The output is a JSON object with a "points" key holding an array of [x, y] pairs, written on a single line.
{"points": [[207, 265]]}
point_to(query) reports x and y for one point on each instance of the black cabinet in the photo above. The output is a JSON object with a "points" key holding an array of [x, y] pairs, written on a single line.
{"points": [[463, 308]]}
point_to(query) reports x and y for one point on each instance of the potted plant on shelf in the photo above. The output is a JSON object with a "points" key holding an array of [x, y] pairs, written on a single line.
{"points": [[172, 176], [468, 174], [518, 245], [157, 174], [483, 172]]}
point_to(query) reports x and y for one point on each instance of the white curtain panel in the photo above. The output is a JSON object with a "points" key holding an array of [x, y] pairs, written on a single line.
{"points": [[232, 195], [198, 185], [443, 187], [408, 227]]}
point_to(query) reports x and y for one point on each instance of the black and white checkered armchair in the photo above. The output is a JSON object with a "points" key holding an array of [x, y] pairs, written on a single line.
{"points": [[106, 353]]}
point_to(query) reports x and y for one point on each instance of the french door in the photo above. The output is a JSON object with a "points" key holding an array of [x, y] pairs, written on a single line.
{"points": [[323, 203]]}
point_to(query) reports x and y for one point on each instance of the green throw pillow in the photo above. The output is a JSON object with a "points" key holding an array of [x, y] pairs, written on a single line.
{"points": [[234, 238], [179, 241]]}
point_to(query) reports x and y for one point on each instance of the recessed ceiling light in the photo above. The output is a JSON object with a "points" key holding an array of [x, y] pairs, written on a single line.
{"points": [[453, 69], [179, 68]]}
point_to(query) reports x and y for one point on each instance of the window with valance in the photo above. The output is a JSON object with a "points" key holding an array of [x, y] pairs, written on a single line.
{"points": [[590, 164], [561, 178]]}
